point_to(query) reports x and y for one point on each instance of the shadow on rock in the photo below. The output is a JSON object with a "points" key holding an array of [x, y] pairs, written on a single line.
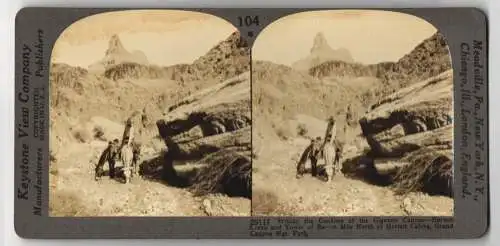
{"points": [[161, 169], [363, 168], [427, 172], [224, 171], [430, 172]]}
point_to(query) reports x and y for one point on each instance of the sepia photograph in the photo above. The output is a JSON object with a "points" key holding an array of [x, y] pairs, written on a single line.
{"points": [[150, 116], [352, 115]]}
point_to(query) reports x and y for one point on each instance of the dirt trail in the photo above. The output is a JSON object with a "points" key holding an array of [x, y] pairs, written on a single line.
{"points": [[309, 196], [76, 193], [110, 197]]}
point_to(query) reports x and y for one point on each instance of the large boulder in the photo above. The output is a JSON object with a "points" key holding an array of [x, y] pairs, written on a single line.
{"points": [[424, 106], [212, 129], [414, 126]]}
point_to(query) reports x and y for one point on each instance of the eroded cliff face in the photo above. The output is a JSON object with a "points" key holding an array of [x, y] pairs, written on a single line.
{"points": [[428, 59], [117, 54], [322, 52], [415, 125], [212, 128]]}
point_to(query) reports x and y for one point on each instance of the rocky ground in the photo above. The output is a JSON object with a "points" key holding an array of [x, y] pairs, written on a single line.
{"points": [[203, 107], [277, 192], [210, 145], [394, 130]]}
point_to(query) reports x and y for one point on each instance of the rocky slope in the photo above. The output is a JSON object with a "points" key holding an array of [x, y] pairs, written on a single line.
{"points": [[413, 126], [89, 107], [428, 59], [213, 123], [280, 94], [225, 60], [394, 130]]}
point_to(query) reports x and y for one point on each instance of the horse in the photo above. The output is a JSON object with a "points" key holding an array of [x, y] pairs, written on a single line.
{"points": [[109, 155], [312, 153], [322, 149]]}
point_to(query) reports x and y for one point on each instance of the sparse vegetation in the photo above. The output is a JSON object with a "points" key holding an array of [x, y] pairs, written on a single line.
{"points": [[99, 133], [227, 172], [283, 133], [93, 104], [302, 130], [430, 172], [82, 135], [52, 157], [406, 110]]}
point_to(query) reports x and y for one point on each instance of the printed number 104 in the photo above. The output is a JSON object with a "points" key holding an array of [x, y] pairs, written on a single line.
{"points": [[248, 20]]}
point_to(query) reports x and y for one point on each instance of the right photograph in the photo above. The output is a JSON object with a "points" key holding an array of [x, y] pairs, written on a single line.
{"points": [[352, 115]]}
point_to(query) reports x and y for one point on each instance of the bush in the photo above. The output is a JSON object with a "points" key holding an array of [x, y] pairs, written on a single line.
{"points": [[430, 172], [99, 133], [255, 155], [52, 156], [228, 173], [81, 135], [283, 133], [52, 163], [302, 130]]}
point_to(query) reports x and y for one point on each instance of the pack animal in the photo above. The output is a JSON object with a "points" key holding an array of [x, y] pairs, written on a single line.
{"points": [[322, 149], [109, 155], [312, 153]]}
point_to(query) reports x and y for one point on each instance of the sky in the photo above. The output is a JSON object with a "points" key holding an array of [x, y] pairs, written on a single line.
{"points": [[170, 37], [166, 37], [371, 36]]}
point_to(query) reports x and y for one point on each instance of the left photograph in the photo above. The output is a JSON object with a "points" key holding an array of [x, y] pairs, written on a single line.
{"points": [[150, 116]]}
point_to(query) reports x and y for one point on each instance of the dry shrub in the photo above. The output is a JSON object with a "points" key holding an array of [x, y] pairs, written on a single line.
{"points": [[430, 172], [54, 171], [53, 163], [283, 132], [52, 157], [98, 133], [82, 135], [302, 130], [226, 172], [255, 155]]}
